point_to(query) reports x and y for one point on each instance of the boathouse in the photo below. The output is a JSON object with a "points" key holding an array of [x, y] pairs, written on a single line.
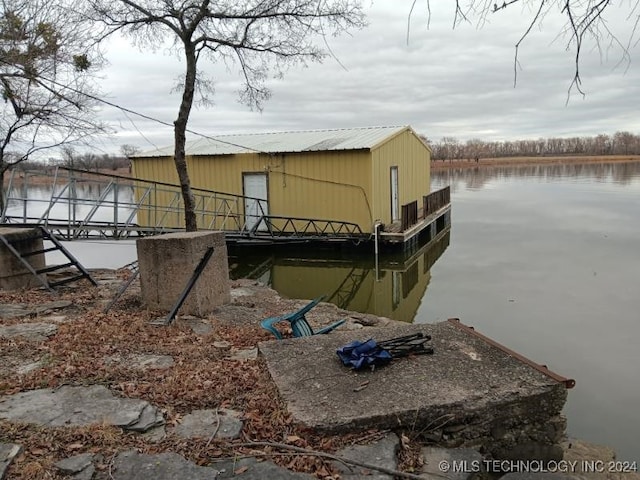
{"points": [[363, 176]]}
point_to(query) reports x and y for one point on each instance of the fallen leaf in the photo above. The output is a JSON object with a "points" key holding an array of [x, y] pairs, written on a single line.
{"points": [[240, 470]]}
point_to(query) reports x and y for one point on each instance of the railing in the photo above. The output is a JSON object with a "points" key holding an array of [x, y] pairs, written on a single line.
{"points": [[81, 204], [304, 227], [409, 215], [435, 201]]}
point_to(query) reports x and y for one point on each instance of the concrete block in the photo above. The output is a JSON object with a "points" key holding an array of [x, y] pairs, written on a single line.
{"points": [[13, 274], [469, 393], [167, 262]]}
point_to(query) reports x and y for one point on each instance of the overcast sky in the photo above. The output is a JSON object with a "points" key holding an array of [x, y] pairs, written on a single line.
{"points": [[443, 82]]}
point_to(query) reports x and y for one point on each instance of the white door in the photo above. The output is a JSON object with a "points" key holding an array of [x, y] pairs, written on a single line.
{"points": [[255, 186], [395, 208]]}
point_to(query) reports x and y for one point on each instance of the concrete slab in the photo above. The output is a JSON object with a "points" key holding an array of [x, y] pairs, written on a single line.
{"points": [[468, 393]]}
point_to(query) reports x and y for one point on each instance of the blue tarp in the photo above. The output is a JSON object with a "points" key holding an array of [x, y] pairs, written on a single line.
{"points": [[359, 355]]}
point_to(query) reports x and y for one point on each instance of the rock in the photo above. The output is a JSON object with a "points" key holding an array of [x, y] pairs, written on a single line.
{"points": [[241, 292], [75, 464], [9, 310], [581, 450], [55, 319], [143, 361], [8, 451], [197, 325], [222, 423], [532, 451], [251, 469], [455, 463], [248, 354], [589, 457], [222, 345], [155, 434], [74, 406], [381, 453], [149, 418], [238, 313], [86, 474], [36, 332], [536, 476], [131, 465], [29, 367]]}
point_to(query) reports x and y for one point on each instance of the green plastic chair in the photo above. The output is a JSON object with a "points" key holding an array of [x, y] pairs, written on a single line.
{"points": [[299, 325]]}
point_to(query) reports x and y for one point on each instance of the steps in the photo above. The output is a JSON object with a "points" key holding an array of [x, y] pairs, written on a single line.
{"points": [[73, 270]]}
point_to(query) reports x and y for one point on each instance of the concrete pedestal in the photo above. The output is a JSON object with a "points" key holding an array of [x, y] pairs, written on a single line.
{"points": [[13, 274], [167, 262]]}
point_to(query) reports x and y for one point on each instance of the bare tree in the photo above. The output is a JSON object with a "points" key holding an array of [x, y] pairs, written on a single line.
{"points": [[260, 37], [128, 150], [585, 20], [46, 70]]}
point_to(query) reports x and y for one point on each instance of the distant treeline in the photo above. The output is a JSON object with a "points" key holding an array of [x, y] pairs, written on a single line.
{"points": [[86, 161], [82, 161], [620, 143]]}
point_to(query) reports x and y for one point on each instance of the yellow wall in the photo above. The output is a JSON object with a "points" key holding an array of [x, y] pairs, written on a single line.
{"points": [[338, 185], [413, 159], [323, 185]]}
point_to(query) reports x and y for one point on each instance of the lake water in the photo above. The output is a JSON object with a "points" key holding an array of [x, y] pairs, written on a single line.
{"points": [[547, 261], [544, 259]]}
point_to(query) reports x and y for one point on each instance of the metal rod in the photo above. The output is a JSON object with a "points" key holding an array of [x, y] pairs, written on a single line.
{"points": [[192, 281], [568, 382], [123, 288]]}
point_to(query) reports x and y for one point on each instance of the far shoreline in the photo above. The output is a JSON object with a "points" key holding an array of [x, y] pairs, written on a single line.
{"points": [[530, 161]]}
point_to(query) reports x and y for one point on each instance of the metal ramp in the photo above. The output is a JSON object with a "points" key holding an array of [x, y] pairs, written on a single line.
{"points": [[83, 205], [41, 273]]}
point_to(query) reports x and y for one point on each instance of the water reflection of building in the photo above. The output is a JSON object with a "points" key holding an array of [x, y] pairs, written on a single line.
{"points": [[393, 288]]}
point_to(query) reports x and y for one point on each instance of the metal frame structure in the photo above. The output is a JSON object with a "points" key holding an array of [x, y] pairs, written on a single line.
{"points": [[113, 212]]}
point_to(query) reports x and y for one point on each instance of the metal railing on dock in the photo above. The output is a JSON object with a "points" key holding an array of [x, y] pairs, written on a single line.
{"points": [[78, 204], [432, 203]]}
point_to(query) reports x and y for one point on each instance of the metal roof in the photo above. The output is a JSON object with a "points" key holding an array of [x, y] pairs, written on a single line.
{"points": [[284, 142]]}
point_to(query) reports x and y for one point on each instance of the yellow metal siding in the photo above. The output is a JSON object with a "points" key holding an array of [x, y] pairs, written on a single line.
{"points": [[413, 160], [326, 185], [322, 185], [351, 185]]}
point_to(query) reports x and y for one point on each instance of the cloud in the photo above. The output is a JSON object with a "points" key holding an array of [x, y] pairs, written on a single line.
{"points": [[442, 81]]}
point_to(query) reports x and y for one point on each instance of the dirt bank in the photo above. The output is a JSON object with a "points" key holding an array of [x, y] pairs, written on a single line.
{"points": [[517, 161]]}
